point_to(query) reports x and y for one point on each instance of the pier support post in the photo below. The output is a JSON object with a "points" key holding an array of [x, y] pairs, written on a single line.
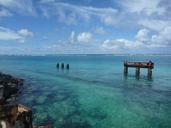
{"points": [[125, 70], [149, 73], [137, 72]]}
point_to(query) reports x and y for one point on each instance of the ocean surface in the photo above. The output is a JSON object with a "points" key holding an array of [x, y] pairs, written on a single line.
{"points": [[94, 93]]}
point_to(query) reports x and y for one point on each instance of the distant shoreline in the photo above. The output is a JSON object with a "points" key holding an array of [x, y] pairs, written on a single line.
{"points": [[39, 55]]}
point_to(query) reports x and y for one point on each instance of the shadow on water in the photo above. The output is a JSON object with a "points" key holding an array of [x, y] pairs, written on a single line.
{"points": [[140, 81], [137, 77]]}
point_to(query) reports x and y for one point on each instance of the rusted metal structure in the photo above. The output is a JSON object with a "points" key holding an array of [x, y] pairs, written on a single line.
{"points": [[138, 65]]}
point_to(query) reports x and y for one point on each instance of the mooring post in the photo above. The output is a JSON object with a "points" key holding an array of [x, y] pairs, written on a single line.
{"points": [[57, 65], [125, 68], [67, 66], [62, 66]]}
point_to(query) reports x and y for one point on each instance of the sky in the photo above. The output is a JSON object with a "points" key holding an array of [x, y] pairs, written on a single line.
{"points": [[85, 27]]}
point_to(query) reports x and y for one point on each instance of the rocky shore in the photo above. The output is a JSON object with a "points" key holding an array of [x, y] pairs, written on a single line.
{"points": [[12, 114], [9, 87]]}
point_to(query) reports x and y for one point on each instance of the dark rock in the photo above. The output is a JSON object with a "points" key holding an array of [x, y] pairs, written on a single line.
{"points": [[8, 86]]}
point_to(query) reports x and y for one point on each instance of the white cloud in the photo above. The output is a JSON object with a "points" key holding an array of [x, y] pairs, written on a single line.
{"points": [[69, 13], [109, 20], [84, 37], [143, 35], [143, 40], [163, 37], [80, 38], [155, 24], [25, 33], [66, 18], [122, 44], [7, 34], [147, 7], [20, 36], [21, 6], [113, 44], [161, 31], [73, 38]]}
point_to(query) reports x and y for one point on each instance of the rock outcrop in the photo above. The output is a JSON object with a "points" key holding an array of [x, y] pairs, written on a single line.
{"points": [[13, 115], [8, 87]]}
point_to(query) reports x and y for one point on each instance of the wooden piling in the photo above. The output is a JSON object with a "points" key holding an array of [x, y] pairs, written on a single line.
{"points": [[57, 65], [125, 68], [67, 66], [62, 66]]}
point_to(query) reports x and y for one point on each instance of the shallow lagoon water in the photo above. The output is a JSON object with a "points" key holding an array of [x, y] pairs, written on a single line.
{"points": [[93, 93]]}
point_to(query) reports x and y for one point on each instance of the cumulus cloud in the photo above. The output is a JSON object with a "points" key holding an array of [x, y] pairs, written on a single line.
{"points": [[143, 35], [115, 44], [150, 17], [143, 39], [163, 37], [84, 37], [120, 44], [20, 36]]}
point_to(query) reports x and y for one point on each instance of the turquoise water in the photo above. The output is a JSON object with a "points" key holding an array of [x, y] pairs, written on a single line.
{"points": [[94, 93]]}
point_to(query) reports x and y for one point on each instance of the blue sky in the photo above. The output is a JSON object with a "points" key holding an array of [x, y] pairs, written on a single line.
{"points": [[85, 26]]}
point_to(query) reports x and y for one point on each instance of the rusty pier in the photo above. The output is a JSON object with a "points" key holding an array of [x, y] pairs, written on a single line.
{"points": [[138, 65]]}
